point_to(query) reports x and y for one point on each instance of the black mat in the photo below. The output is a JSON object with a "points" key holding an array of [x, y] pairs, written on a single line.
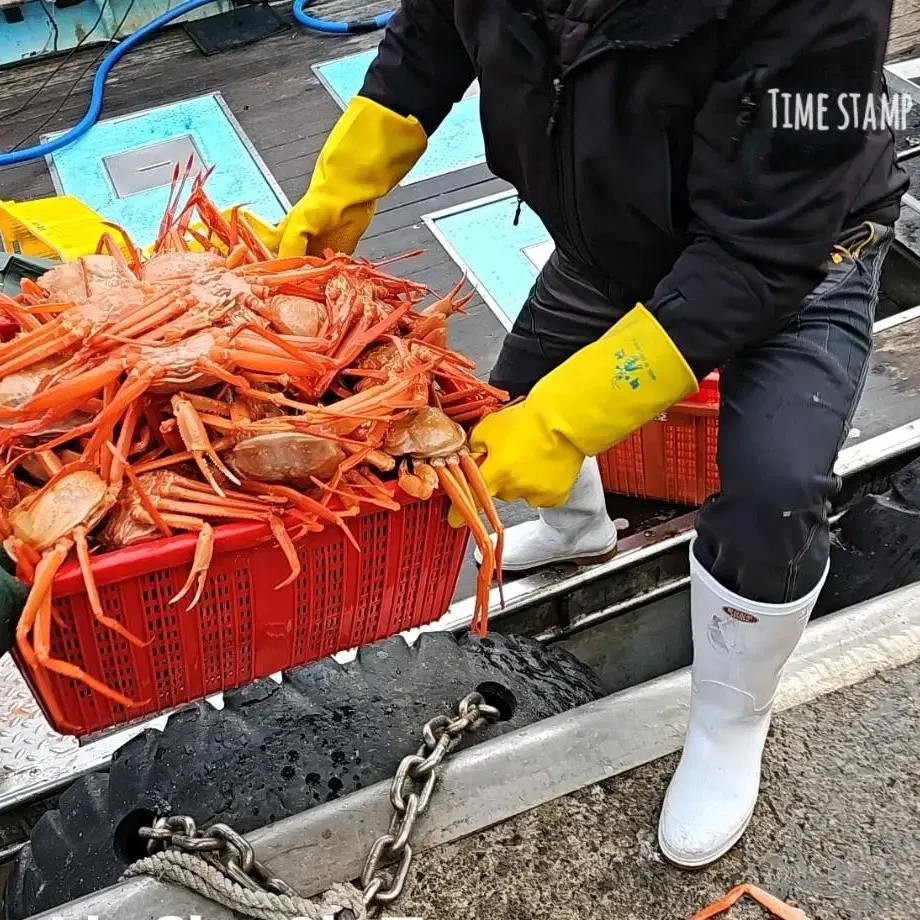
{"points": [[235, 28]]}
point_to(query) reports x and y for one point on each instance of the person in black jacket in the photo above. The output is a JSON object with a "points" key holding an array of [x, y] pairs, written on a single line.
{"points": [[719, 199]]}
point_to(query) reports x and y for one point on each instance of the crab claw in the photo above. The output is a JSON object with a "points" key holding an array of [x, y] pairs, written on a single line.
{"points": [[420, 481]]}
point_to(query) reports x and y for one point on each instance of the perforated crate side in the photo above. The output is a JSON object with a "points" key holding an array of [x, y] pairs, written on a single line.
{"points": [[442, 561], [682, 471], [243, 628], [623, 466], [710, 450]]}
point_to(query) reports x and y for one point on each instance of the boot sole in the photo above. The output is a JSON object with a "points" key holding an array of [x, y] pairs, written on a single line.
{"points": [[584, 561], [697, 865]]}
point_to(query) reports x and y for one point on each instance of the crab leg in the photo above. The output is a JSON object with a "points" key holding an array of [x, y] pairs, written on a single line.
{"points": [[156, 312], [136, 266], [282, 343], [473, 476], [351, 497], [308, 505], [255, 361], [41, 618], [41, 351], [242, 503], [108, 245], [27, 320], [207, 404], [130, 390], [242, 387], [486, 571], [257, 248], [238, 256], [76, 388], [146, 501], [25, 343], [195, 437], [92, 593], [418, 480], [45, 571], [204, 551], [376, 495], [374, 397], [283, 539], [28, 654], [217, 509], [114, 461], [357, 340], [773, 904]]}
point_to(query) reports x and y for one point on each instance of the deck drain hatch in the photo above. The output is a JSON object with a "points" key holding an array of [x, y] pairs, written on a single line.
{"points": [[153, 166]]}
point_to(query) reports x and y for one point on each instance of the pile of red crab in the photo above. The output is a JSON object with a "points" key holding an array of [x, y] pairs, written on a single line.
{"points": [[212, 383]]}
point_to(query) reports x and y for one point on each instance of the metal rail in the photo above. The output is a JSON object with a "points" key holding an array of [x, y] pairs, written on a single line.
{"points": [[498, 779]]}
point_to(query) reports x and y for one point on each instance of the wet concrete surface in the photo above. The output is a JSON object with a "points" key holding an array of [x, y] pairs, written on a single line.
{"points": [[835, 832]]}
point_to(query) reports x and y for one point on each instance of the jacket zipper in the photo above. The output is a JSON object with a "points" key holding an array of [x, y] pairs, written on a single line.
{"points": [[567, 205], [557, 104], [579, 242]]}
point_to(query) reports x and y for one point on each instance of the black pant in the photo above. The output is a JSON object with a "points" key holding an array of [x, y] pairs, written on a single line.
{"points": [[786, 407]]}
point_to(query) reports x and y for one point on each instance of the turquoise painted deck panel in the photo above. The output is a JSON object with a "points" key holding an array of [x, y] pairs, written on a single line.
{"points": [[457, 144], [502, 259], [34, 35], [237, 178]]}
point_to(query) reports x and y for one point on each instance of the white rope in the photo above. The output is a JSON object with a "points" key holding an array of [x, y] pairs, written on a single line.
{"points": [[192, 872]]}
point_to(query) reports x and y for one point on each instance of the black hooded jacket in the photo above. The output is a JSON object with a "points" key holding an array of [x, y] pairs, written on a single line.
{"points": [[654, 140]]}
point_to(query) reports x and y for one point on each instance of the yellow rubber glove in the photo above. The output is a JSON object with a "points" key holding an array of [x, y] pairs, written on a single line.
{"points": [[602, 394], [368, 153]]}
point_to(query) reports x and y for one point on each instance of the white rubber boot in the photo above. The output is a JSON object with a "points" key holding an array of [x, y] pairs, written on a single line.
{"points": [[740, 648], [580, 531]]}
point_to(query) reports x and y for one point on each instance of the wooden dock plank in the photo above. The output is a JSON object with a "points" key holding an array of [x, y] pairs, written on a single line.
{"points": [[892, 394], [905, 29]]}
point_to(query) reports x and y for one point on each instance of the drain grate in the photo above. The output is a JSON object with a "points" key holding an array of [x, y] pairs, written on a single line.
{"points": [[145, 168]]}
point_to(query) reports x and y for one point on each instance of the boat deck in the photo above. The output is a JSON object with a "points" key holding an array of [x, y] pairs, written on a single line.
{"points": [[453, 208], [284, 110]]}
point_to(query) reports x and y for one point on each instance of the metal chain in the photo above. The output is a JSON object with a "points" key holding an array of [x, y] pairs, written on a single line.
{"points": [[441, 735], [390, 858], [220, 846]]}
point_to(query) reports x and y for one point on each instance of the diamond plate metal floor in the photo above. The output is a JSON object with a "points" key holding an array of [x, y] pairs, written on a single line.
{"points": [[34, 759]]}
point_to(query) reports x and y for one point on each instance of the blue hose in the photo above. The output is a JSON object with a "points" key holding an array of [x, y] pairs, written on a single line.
{"points": [[123, 47], [338, 28]]}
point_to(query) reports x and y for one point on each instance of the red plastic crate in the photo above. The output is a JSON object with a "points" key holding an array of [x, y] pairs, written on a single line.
{"points": [[672, 458], [243, 629], [8, 327]]}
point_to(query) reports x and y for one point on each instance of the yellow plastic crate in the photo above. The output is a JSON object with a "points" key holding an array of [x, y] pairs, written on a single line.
{"points": [[64, 228], [61, 228]]}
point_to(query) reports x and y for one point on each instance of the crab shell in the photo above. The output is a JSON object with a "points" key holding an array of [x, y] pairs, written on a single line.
{"points": [[300, 315], [286, 457], [424, 433], [174, 266], [18, 388], [52, 513], [128, 523], [85, 278], [180, 360]]}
